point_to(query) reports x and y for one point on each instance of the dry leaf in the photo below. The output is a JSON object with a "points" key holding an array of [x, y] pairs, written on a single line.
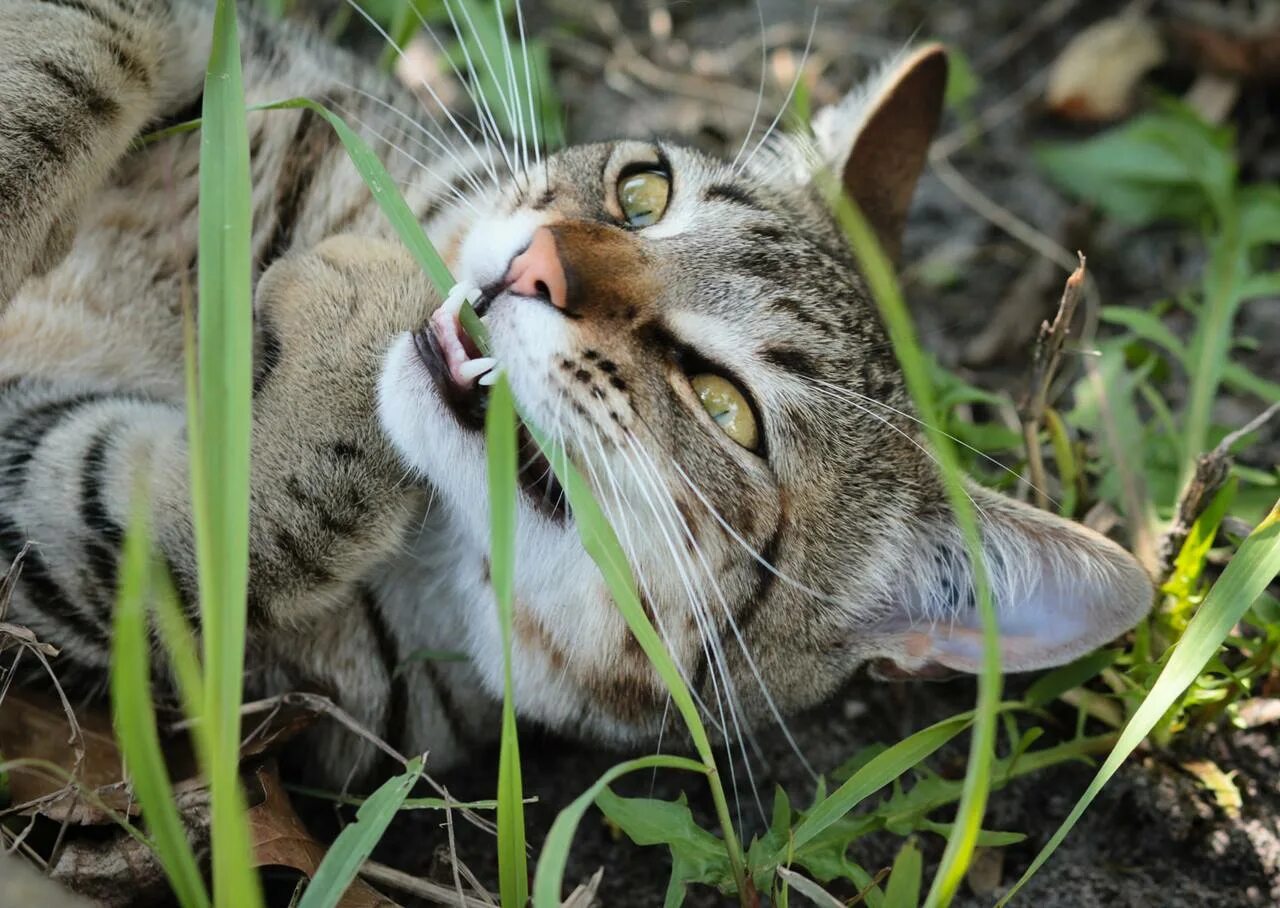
{"points": [[1222, 784], [1095, 75], [280, 839]]}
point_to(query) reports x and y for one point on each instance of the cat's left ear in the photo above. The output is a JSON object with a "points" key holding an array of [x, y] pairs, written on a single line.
{"points": [[1059, 589], [877, 138]]}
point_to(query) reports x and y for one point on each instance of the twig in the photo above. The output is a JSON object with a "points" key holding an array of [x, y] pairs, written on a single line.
{"points": [[1044, 365], [1209, 476], [424, 889]]}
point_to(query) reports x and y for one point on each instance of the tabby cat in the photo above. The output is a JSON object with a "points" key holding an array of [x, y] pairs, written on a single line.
{"points": [[693, 329]]}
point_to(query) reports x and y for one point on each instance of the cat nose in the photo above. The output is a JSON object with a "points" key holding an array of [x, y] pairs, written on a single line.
{"points": [[538, 272]]}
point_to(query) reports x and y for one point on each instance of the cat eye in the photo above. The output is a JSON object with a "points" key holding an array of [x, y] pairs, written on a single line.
{"points": [[643, 196], [728, 406]]}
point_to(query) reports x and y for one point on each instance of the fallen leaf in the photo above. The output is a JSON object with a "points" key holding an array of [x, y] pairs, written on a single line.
{"points": [[279, 839], [1221, 784], [1095, 76]]}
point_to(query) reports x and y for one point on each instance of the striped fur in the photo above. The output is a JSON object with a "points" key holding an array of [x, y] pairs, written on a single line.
{"points": [[772, 577]]}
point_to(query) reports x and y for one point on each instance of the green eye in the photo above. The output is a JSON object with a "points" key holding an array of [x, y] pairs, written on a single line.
{"points": [[643, 197], [728, 407]]}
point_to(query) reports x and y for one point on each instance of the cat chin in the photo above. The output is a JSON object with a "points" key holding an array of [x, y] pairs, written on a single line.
{"points": [[429, 439]]}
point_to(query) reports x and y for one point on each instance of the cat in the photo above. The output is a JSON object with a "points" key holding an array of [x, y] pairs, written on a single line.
{"points": [[694, 330]]}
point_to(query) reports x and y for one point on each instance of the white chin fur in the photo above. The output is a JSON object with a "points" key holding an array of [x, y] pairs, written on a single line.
{"points": [[428, 437]]}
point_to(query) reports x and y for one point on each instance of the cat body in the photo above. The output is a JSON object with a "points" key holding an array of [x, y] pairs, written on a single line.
{"points": [[693, 330]]}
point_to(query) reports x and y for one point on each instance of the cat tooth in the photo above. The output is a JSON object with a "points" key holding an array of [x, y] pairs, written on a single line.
{"points": [[461, 292], [489, 378], [475, 368]]}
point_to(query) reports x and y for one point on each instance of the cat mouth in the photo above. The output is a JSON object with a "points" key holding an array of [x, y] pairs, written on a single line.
{"points": [[459, 372]]}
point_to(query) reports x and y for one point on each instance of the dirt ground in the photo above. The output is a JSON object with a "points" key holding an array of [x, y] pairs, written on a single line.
{"points": [[1154, 837]]}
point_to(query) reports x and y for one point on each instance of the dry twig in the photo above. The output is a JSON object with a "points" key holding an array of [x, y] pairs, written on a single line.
{"points": [[1044, 365], [1210, 475]]}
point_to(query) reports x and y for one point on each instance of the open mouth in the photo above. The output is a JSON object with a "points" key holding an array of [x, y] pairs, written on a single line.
{"points": [[462, 376]]}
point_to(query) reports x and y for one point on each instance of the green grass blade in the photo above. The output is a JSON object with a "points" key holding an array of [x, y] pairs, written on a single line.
{"points": [[220, 427], [878, 272], [1210, 346], [355, 843], [878, 772], [135, 718], [500, 446], [549, 877], [1254, 566]]}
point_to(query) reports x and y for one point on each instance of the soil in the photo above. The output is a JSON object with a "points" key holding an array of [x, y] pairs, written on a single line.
{"points": [[1154, 836]]}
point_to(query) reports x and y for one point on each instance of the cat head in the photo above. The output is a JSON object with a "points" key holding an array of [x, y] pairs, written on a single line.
{"points": [[697, 335]]}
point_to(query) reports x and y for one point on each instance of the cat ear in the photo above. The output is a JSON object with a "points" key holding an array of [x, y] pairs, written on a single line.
{"points": [[877, 138], [1059, 588]]}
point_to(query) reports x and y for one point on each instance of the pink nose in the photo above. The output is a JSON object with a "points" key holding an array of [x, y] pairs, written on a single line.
{"points": [[537, 271]]}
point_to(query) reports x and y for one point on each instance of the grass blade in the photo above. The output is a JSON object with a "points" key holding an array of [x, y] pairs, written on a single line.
{"points": [[500, 447], [549, 877], [1254, 566], [879, 771], [878, 272], [355, 843], [219, 427], [135, 718]]}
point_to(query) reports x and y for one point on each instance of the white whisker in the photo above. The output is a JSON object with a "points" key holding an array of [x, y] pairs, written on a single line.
{"points": [[786, 102]]}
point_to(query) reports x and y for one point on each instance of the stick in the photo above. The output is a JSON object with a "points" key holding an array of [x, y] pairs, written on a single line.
{"points": [[1210, 475], [1044, 365]]}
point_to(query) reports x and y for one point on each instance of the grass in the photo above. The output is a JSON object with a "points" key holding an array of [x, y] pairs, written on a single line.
{"points": [[1187, 662]]}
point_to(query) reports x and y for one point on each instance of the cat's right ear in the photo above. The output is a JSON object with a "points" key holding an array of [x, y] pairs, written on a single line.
{"points": [[877, 139]]}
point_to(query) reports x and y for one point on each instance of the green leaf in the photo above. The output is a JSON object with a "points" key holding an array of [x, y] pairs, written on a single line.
{"points": [[1148, 326], [135, 718], [1168, 164], [1260, 214], [500, 444], [962, 80], [549, 876], [878, 772], [1189, 565], [1254, 566], [697, 856], [219, 424], [355, 843], [1053, 685], [903, 888]]}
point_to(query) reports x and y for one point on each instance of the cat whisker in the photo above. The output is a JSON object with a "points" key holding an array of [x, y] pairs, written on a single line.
{"points": [[831, 394], [764, 73], [518, 122], [987, 457], [620, 520], [528, 82], [400, 53], [786, 102], [514, 158], [459, 197], [486, 126], [718, 672], [702, 614], [444, 146], [732, 623]]}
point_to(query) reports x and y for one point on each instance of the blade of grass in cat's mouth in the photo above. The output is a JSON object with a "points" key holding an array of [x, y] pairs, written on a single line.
{"points": [[458, 368]]}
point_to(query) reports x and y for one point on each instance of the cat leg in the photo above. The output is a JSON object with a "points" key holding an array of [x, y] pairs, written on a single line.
{"points": [[329, 497], [77, 83]]}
